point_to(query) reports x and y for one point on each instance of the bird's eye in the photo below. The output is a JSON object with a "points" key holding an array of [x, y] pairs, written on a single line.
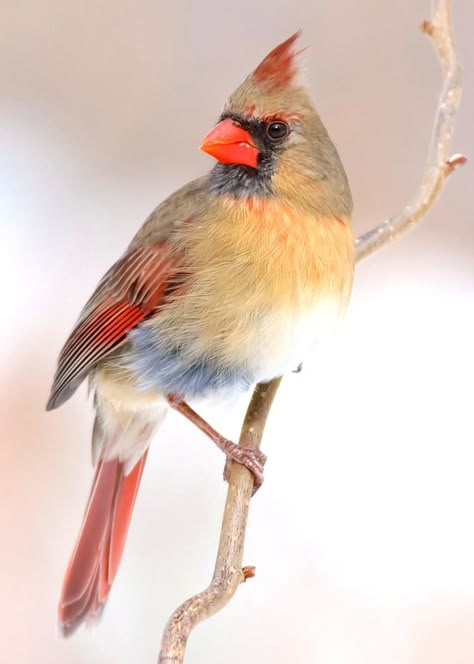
{"points": [[277, 130]]}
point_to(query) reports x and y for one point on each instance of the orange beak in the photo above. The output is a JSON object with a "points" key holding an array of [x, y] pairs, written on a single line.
{"points": [[230, 144]]}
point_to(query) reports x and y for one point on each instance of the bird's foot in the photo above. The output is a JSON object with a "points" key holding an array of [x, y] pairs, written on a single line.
{"points": [[254, 460]]}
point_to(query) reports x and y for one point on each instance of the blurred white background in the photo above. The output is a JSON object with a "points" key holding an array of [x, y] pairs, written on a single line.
{"points": [[364, 539]]}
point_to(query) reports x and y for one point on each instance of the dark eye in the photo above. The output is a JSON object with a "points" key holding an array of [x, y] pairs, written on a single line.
{"points": [[277, 130]]}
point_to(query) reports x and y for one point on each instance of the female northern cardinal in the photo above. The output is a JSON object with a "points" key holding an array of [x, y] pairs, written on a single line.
{"points": [[228, 283]]}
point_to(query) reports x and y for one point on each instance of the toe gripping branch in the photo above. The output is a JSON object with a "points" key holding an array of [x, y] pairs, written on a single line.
{"points": [[249, 457]]}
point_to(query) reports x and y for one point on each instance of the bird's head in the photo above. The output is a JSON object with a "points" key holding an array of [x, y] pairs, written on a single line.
{"points": [[270, 141]]}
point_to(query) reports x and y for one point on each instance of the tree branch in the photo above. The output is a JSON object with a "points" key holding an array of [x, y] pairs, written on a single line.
{"points": [[439, 163], [228, 572]]}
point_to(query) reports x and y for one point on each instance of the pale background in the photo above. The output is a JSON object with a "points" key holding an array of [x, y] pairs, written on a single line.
{"points": [[363, 539]]}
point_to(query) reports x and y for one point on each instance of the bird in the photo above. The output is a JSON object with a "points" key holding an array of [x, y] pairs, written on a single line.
{"points": [[229, 282]]}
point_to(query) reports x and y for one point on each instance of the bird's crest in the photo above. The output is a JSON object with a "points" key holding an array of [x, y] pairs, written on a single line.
{"points": [[279, 67]]}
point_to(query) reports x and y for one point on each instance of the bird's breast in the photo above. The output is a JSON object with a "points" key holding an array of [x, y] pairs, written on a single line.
{"points": [[265, 282]]}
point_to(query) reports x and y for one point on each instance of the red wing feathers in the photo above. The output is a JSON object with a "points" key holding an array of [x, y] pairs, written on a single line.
{"points": [[130, 291]]}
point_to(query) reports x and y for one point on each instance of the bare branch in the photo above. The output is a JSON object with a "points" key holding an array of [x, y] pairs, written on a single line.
{"points": [[228, 572], [439, 163]]}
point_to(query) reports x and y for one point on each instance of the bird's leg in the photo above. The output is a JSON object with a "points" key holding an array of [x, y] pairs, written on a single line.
{"points": [[252, 459]]}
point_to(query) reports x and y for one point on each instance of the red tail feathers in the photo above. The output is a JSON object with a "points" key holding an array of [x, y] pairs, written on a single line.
{"points": [[96, 557]]}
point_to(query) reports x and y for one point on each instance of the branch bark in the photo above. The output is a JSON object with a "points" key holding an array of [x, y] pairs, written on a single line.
{"points": [[228, 572]]}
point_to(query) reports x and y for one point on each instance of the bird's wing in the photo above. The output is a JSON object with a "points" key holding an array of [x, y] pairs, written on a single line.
{"points": [[130, 291]]}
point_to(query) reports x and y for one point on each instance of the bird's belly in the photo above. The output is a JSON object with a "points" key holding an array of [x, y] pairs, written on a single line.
{"points": [[255, 348]]}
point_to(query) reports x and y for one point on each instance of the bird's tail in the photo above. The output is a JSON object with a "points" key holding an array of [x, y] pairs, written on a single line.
{"points": [[119, 448], [96, 556]]}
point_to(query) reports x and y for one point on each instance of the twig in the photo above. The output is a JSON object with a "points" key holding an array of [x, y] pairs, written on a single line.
{"points": [[439, 163], [228, 572]]}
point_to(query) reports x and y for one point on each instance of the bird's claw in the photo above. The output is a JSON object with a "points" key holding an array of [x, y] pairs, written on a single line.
{"points": [[254, 460]]}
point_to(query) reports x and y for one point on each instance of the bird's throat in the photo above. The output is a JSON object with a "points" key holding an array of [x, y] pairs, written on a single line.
{"points": [[240, 181]]}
